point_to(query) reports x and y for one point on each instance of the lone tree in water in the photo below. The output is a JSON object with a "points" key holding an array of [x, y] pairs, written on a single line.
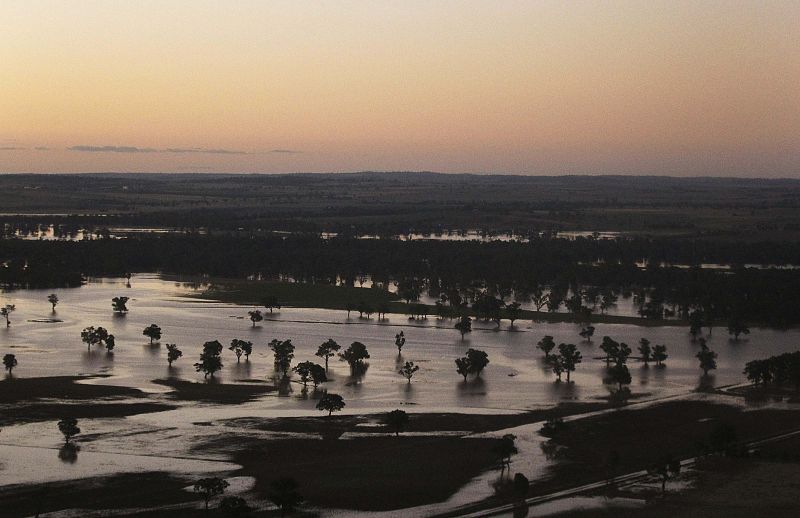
{"points": [[9, 362], [464, 325], [283, 352], [283, 493], [569, 357], [68, 428], [173, 353], [330, 403], [408, 370], [270, 302], [399, 342], [546, 345], [53, 300], [153, 332], [737, 326], [659, 355], [587, 333], [210, 361], [355, 356], [208, 488], [255, 316], [645, 351], [119, 304], [328, 350], [6, 312], [707, 357], [620, 375], [396, 420]]}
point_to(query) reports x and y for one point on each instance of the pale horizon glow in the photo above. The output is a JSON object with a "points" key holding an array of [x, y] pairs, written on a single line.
{"points": [[683, 88]]}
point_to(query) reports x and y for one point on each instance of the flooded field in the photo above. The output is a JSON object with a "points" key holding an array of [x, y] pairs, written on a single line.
{"points": [[48, 344]]}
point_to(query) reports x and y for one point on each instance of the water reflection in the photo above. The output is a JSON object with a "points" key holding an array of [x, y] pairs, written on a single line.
{"points": [[242, 370], [472, 388], [68, 453]]}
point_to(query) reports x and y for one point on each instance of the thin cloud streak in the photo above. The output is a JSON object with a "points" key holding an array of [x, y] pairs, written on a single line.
{"points": [[133, 149]]}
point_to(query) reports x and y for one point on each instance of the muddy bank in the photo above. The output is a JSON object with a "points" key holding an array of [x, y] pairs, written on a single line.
{"points": [[117, 492], [641, 436], [30, 413], [418, 422], [213, 392], [366, 473], [14, 390]]}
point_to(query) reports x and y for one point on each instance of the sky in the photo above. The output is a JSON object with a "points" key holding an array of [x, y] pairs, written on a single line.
{"points": [[683, 88]]}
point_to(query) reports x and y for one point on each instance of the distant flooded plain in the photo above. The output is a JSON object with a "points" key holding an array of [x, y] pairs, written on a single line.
{"points": [[48, 343]]}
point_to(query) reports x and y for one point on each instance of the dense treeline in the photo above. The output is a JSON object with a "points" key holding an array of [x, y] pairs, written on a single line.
{"points": [[587, 267]]}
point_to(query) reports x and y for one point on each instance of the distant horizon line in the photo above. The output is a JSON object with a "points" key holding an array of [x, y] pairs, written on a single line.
{"points": [[396, 172]]}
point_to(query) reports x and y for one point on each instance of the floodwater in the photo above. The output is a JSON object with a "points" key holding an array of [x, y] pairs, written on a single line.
{"points": [[49, 344]]}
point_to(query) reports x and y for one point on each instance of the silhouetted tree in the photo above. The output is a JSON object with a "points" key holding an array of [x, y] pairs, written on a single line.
{"points": [[737, 326], [153, 332], [6, 311], [120, 304], [569, 357], [399, 341], [328, 350], [408, 370], [9, 362], [660, 354], [478, 360], [208, 488], [611, 348], [173, 353], [620, 375], [463, 367], [645, 351], [96, 336], [696, 322], [587, 333], [240, 347], [396, 420], [330, 403], [513, 311], [708, 359], [210, 361], [283, 353], [546, 345], [355, 355], [464, 325], [318, 374], [255, 316], [68, 428], [306, 370], [53, 300]]}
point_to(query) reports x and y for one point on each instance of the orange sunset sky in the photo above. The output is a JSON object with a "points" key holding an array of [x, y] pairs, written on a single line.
{"points": [[526, 87]]}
